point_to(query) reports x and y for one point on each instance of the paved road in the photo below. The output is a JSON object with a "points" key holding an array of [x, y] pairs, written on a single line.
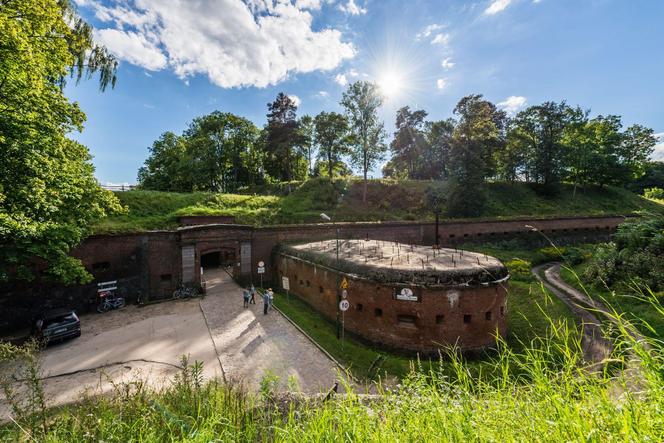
{"points": [[251, 344], [147, 343]]}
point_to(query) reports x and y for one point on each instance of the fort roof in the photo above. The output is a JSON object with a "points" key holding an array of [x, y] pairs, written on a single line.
{"points": [[395, 263]]}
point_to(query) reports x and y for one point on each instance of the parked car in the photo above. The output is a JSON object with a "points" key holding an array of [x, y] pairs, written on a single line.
{"points": [[56, 325]]}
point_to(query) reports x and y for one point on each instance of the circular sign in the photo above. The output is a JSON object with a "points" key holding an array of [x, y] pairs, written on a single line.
{"points": [[407, 292], [344, 294], [344, 305], [261, 264]]}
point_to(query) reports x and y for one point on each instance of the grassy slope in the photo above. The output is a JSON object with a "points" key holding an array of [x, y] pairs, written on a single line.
{"points": [[387, 200], [638, 309]]}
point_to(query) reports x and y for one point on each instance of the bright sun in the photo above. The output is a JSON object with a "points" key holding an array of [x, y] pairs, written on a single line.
{"points": [[391, 84]]}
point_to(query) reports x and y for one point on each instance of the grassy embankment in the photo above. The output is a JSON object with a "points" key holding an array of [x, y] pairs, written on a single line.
{"points": [[387, 201]]}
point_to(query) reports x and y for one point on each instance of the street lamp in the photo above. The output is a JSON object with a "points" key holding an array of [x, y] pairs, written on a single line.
{"points": [[328, 218]]}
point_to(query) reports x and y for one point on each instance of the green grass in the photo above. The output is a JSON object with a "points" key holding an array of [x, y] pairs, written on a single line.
{"points": [[636, 306], [387, 200], [541, 393]]}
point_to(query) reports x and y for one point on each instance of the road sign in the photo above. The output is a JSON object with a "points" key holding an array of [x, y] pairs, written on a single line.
{"points": [[261, 264], [344, 283], [285, 283], [261, 270], [344, 305], [344, 294]]}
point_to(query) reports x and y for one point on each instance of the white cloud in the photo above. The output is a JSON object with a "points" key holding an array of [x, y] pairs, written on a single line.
{"points": [[308, 4], [295, 99], [441, 39], [513, 104], [658, 153], [427, 31], [497, 6], [132, 47], [442, 83], [352, 8], [447, 63], [235, 43], [341, 79], [323, 94]]}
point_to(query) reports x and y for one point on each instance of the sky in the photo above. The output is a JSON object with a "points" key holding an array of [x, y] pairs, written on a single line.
{"points": [[184, 59]]}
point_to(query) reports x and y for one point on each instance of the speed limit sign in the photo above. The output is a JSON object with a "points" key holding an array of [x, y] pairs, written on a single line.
{"points": [[344, 305]]}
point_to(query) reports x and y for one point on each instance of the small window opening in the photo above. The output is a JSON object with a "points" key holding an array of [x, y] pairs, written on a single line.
{"points": [[378, 312], [359, 307], [467, 318], [165, 277], [487, 315], [439, 319], [406, 319]]}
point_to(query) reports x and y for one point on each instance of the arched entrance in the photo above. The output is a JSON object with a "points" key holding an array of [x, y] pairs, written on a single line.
{"points": [[218, 258]]}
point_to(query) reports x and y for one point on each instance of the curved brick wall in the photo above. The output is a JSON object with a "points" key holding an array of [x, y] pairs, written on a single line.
{"points": [[467, 316]]}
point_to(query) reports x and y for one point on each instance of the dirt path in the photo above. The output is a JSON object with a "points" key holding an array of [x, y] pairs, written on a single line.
{"points": [[596, 347]]}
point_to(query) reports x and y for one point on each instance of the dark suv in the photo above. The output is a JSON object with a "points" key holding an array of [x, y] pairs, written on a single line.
{"points": [[57, 324]]}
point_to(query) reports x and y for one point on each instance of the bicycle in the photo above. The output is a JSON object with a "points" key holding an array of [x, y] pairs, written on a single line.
{"points": [[109, 302]]}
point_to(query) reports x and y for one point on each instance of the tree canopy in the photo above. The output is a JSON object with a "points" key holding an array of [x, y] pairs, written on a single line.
{"points": [[48, 193]]}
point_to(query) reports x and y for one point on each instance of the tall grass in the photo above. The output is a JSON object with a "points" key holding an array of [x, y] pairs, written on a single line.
{"points": [[542, 391]]}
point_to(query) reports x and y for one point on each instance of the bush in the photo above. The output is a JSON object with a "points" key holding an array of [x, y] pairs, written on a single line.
{"points": [[656, 193], [519, 269]]}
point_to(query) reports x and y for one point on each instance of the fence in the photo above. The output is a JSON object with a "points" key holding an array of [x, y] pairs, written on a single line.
{"points": [[119, 187]]}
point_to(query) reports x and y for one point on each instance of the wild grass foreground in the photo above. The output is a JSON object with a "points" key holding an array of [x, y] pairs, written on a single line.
{"points": [[544, 392]]}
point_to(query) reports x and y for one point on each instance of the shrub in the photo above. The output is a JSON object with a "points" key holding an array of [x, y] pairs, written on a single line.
{"points": [[519, 269], [656, 193]]}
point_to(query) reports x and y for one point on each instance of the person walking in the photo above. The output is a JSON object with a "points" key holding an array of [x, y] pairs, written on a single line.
{"points": [[253, 295], [266, 302], [271, 296], [245, 297]]}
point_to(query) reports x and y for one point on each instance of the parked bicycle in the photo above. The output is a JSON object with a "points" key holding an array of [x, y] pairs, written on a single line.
{"points": [[109, 301], [185, 292]]}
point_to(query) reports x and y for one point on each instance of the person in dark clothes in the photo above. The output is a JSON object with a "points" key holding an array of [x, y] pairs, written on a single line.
{"points": [[252, 291], [266, 301], [245, 297]]}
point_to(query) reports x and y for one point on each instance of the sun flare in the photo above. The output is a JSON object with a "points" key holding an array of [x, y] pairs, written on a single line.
{"points": [[390, 84]]}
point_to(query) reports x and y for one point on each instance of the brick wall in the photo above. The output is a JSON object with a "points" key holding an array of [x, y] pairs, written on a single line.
{"points": [[468, 317], [153, 260]]}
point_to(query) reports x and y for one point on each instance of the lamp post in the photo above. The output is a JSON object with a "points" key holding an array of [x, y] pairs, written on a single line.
{"points": [[328, 218]]}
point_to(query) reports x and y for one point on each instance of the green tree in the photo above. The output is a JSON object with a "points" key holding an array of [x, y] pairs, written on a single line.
{"points": [[306, 140], [48, 193], [361, 102], [217, 148], [332, 138], [165, 168], [476, 137], [409, 143], [540, 130], [436, 155], [283, 162]]}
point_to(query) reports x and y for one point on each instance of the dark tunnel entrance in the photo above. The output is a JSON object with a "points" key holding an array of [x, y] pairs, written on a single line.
{"points": [[217, 259]]}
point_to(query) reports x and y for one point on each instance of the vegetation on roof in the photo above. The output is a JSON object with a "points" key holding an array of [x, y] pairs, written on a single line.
{"points": [[387, 200]]}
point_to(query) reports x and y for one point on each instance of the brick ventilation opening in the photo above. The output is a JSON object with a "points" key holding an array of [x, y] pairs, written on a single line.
{"points": [[101, 266], [166, 277], [378, 312], [487, 315], [308, 283], [359, 307], [439, 319], [406, 319], [320, 289], [502, 311], [467, 318]]}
